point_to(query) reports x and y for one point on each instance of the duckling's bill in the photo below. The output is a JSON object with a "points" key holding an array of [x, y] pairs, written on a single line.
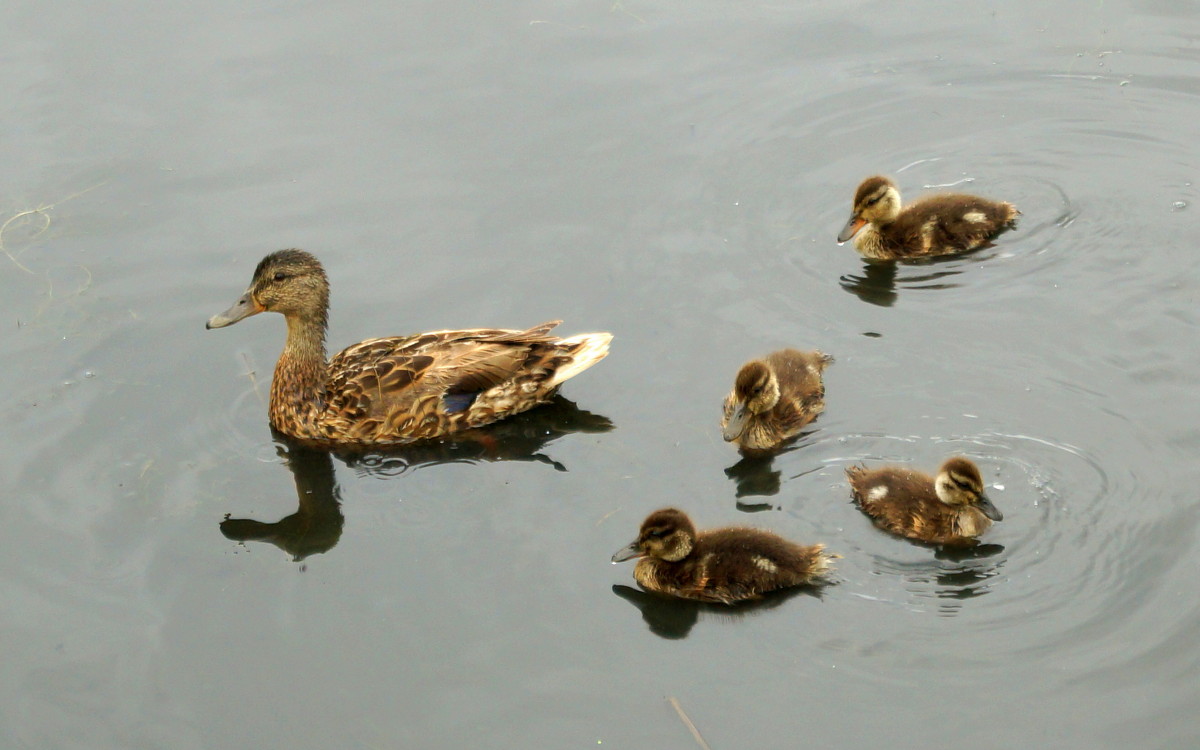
{"points": [[991, 511], [632, 550], [243, 308], [856, 223], [737, 423]]}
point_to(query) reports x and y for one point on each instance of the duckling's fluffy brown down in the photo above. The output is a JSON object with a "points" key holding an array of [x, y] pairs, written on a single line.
{"points": [[793, 379], [937, 224], [724, 565], [906, 502]]}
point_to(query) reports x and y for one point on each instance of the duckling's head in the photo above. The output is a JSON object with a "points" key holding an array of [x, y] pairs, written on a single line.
{"points": [[756, 390], [291, 282], [876, 202], [959, 484], [666, 534]]}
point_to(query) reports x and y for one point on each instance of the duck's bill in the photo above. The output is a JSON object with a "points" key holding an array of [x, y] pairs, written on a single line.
{"points": [[736, 424], [243, 308], [989, 510], [856, 223], [628, 553]]}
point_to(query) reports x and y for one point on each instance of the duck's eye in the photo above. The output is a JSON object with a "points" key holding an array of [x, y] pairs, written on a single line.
{"points": [[963, 486], [280, 275], [657, 533], [874, 200]]}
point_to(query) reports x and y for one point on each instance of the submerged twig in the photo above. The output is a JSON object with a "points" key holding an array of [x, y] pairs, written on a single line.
{"points": [[39, 211], [608, 515], [250, 374], [688, 723]]}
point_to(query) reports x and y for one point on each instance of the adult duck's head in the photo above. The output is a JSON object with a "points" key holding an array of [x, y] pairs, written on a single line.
{"points": [[289, 282]]}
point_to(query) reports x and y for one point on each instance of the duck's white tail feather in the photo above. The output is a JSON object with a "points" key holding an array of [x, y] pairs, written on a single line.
{"points": [[592, 347]]}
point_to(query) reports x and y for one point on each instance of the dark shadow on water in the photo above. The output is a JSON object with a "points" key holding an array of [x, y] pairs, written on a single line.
{"points": [[880, 279], [316, 526], [673, 618], [523, 437], [755, 475], [317, 523], [956, 574], [876, 285], [978, 551]]}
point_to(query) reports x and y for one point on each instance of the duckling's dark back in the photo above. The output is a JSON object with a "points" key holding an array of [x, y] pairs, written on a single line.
{"points": [[904, 502], [799, 372], [734, 564], [943, 223]]}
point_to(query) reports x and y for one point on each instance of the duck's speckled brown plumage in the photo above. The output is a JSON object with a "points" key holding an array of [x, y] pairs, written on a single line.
{"points": [[399, 389], [936, 224], [724, 565], [951, 509], [773, 398]]}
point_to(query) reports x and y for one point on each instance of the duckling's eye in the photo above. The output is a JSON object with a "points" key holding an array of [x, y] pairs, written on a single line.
{"points": [[657, 533], [874, 200], [962, 485], [280, 275]]}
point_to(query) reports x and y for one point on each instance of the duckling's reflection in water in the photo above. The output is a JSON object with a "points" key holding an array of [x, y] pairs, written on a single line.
{"points": [[959, 574], [521, 437], [672, 618], [755, 475], [877, 284], [317, 524]]}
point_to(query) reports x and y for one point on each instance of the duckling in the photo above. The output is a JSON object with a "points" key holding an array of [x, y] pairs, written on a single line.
{"points": [[396, 390], [725, 565], [951, 509], [773, 398], [933, 225]]}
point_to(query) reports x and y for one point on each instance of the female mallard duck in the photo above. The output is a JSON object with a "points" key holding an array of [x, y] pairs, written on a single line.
{"points": [[934, 225], [396, 390], [719, 565], [951, 509], [773, 398]]}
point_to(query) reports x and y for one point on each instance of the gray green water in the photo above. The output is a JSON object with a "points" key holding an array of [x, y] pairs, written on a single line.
{"points": [[673, 173]]}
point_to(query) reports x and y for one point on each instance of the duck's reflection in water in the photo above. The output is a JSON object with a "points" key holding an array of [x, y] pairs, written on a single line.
{"points": [[878, 282], [876, 285], [957, 574], [672, 618], [317, 523], [755, 475], [522, 437]]}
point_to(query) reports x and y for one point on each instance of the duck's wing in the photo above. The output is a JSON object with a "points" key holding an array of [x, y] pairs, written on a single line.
{"points": [[377, 378]]}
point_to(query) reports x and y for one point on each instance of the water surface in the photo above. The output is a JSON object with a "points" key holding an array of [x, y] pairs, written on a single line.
{"points": [[176, 576]]}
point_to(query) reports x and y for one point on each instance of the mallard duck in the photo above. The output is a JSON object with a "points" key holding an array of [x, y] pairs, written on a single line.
{"points": [[400, 389], [933, 225], [773, 398], [719, 565], [950, 509]]}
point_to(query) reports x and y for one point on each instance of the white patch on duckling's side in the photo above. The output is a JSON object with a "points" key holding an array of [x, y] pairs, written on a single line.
{"points": [[927, 234], [877, 493], [765, 564], [975, 217]]}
